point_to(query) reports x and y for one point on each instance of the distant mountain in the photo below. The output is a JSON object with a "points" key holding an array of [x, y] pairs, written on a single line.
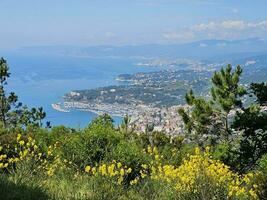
{"points": [[198, 50]]}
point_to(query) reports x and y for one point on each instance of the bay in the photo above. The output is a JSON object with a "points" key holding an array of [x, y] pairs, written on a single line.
{"points": [[40, 80]]}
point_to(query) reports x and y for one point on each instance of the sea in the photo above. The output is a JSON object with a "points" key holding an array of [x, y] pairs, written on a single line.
{"points": [[40, 80]]}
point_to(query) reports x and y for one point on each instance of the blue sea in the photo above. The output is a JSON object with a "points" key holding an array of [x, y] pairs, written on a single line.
{"points": [[40, 80]]}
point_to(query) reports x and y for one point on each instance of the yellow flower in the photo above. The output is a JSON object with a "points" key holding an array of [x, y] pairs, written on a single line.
{"points": [[50, 172], [2, 157], [200, 166], [119, 165], [18, 137], [94, 170], [149, 149], [144, 166], [87, 169], [197, 151], [122, 172], [111, 170], [120, 180], [143, 175], [25, 152], [129, 170], [253, 194], [103, 169], [29, 139], [134, 182]]}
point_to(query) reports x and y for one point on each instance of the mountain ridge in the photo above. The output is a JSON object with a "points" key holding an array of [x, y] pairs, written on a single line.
{"points": [[197, 50]]}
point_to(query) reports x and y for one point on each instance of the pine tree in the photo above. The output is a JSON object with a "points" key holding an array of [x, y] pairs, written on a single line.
{"points": [[6, 102], [251, 122], [200, 118], [226, 92], [38, 115], [209, 117]]}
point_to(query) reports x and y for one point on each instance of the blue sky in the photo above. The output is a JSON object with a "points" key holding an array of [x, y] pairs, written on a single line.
{"points": [[121, 22]]}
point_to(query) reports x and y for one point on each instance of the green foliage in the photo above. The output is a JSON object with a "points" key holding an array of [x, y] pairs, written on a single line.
{"points": [[175, 154], [225, 153], [212, 117], [129, 154], [104, 120], [75, 149], [260, 91], [252, 123], [160, 139], [6, 102], [262, 164], [262, 180], [125, 125], [92, 145], [100, 142], [226, 91], [200, 119]]}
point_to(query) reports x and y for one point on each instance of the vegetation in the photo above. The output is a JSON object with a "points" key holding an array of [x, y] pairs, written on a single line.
{"points": [[12, 113], [225, 159]]}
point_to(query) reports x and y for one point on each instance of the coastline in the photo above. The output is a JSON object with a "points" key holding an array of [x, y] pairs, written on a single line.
{"points": [[98, 109], [116, 110]]}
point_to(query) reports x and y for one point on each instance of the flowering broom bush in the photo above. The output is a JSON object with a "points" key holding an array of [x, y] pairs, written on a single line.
{"points": [[206, 178], [25, 152]]}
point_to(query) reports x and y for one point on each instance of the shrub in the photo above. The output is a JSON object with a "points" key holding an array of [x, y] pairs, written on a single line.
{"points": [[131, 155], [203, 178], [262, 179], [91, 146]]}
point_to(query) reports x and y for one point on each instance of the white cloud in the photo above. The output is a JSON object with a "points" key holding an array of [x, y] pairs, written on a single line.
{"points": [[262, 24], [203, 27], [232, 24], [228, 29], [229, 24]]}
